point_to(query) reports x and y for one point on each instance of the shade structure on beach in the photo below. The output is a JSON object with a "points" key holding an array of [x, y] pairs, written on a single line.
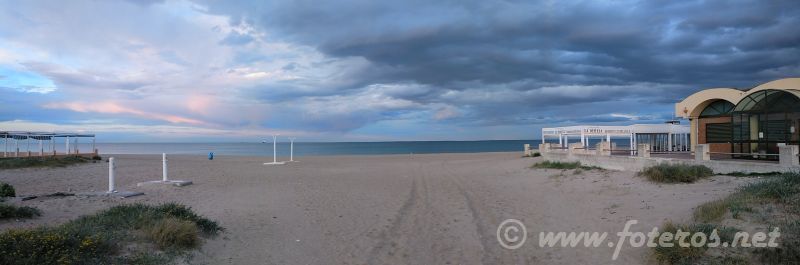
{"points": [[668, 137], [46, 142]]}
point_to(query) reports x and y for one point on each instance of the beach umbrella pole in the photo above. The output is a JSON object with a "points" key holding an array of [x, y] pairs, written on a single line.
{"points": [[165, 176], [111, 166], [291, 149], [274, 151], [164, 166]]}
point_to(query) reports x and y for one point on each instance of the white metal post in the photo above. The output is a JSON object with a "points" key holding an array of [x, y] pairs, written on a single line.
{"points": [[274, 151], [164, 166], [5, 153], [77, 150], [631, 143], [66, 143], [291, 149], [111, 166], [583, 141], [669, 142], [41, 148], [16, 147]]}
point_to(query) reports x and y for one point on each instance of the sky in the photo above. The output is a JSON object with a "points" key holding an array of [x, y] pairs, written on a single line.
{"points": [[365, 70]]}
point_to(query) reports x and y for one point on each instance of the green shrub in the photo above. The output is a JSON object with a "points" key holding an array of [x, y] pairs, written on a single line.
{"points": [[10, 211], [97, 238], [171, 233], [6, 190], [675, 173]]}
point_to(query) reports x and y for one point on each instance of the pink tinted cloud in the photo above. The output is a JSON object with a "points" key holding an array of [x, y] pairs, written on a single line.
{"points": [[199, 103], [115, 108]]}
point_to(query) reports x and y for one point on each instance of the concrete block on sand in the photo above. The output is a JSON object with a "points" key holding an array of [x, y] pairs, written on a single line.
{"points": [[176, 183], [118, 194]]}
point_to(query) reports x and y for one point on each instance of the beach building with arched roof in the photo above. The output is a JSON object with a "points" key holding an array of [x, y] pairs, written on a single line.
{"points": [[748, 124]]}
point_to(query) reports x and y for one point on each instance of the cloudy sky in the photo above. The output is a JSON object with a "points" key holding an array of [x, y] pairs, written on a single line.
{"points": [[375, 70]]}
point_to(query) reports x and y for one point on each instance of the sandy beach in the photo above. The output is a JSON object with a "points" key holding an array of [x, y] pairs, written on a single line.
{"points": [[388, 209]]}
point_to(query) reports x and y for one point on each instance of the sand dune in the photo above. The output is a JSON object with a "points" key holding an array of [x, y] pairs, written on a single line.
{"points": [[392, 209]]}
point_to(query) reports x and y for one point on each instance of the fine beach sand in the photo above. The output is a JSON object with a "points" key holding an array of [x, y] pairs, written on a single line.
{"points": [[389, 209]]}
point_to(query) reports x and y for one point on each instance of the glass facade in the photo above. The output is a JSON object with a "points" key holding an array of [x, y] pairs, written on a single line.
{"points": [[763, 120]]}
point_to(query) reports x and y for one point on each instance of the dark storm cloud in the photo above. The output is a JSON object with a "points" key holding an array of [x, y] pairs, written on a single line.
{"points": [[484, 55]]}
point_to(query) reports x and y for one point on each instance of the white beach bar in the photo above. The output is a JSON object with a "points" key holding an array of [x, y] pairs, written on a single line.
{"points": [[668, 137], [41, 137]]}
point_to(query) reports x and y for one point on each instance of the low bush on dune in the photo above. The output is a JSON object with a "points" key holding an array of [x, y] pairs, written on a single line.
{"points": [[771, 203], [11, 211], [562, 165], [783, 189], [6, 190], [789, 250], [679, 255], [99, 238], [676, 173], [26, 162]]}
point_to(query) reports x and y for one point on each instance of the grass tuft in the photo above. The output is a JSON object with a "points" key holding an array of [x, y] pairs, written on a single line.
{"points": [[678, 255], [174, 233], [676, 173]]}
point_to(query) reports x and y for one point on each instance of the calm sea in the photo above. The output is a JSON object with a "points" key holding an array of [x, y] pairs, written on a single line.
{"points": [[320, 149]]}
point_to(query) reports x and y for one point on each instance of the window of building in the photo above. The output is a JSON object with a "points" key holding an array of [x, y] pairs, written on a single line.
{"points": [[717, 108], [718, 132]]}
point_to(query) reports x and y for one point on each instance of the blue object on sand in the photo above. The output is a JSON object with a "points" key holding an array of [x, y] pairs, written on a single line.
{"points": [[211, 156]]}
